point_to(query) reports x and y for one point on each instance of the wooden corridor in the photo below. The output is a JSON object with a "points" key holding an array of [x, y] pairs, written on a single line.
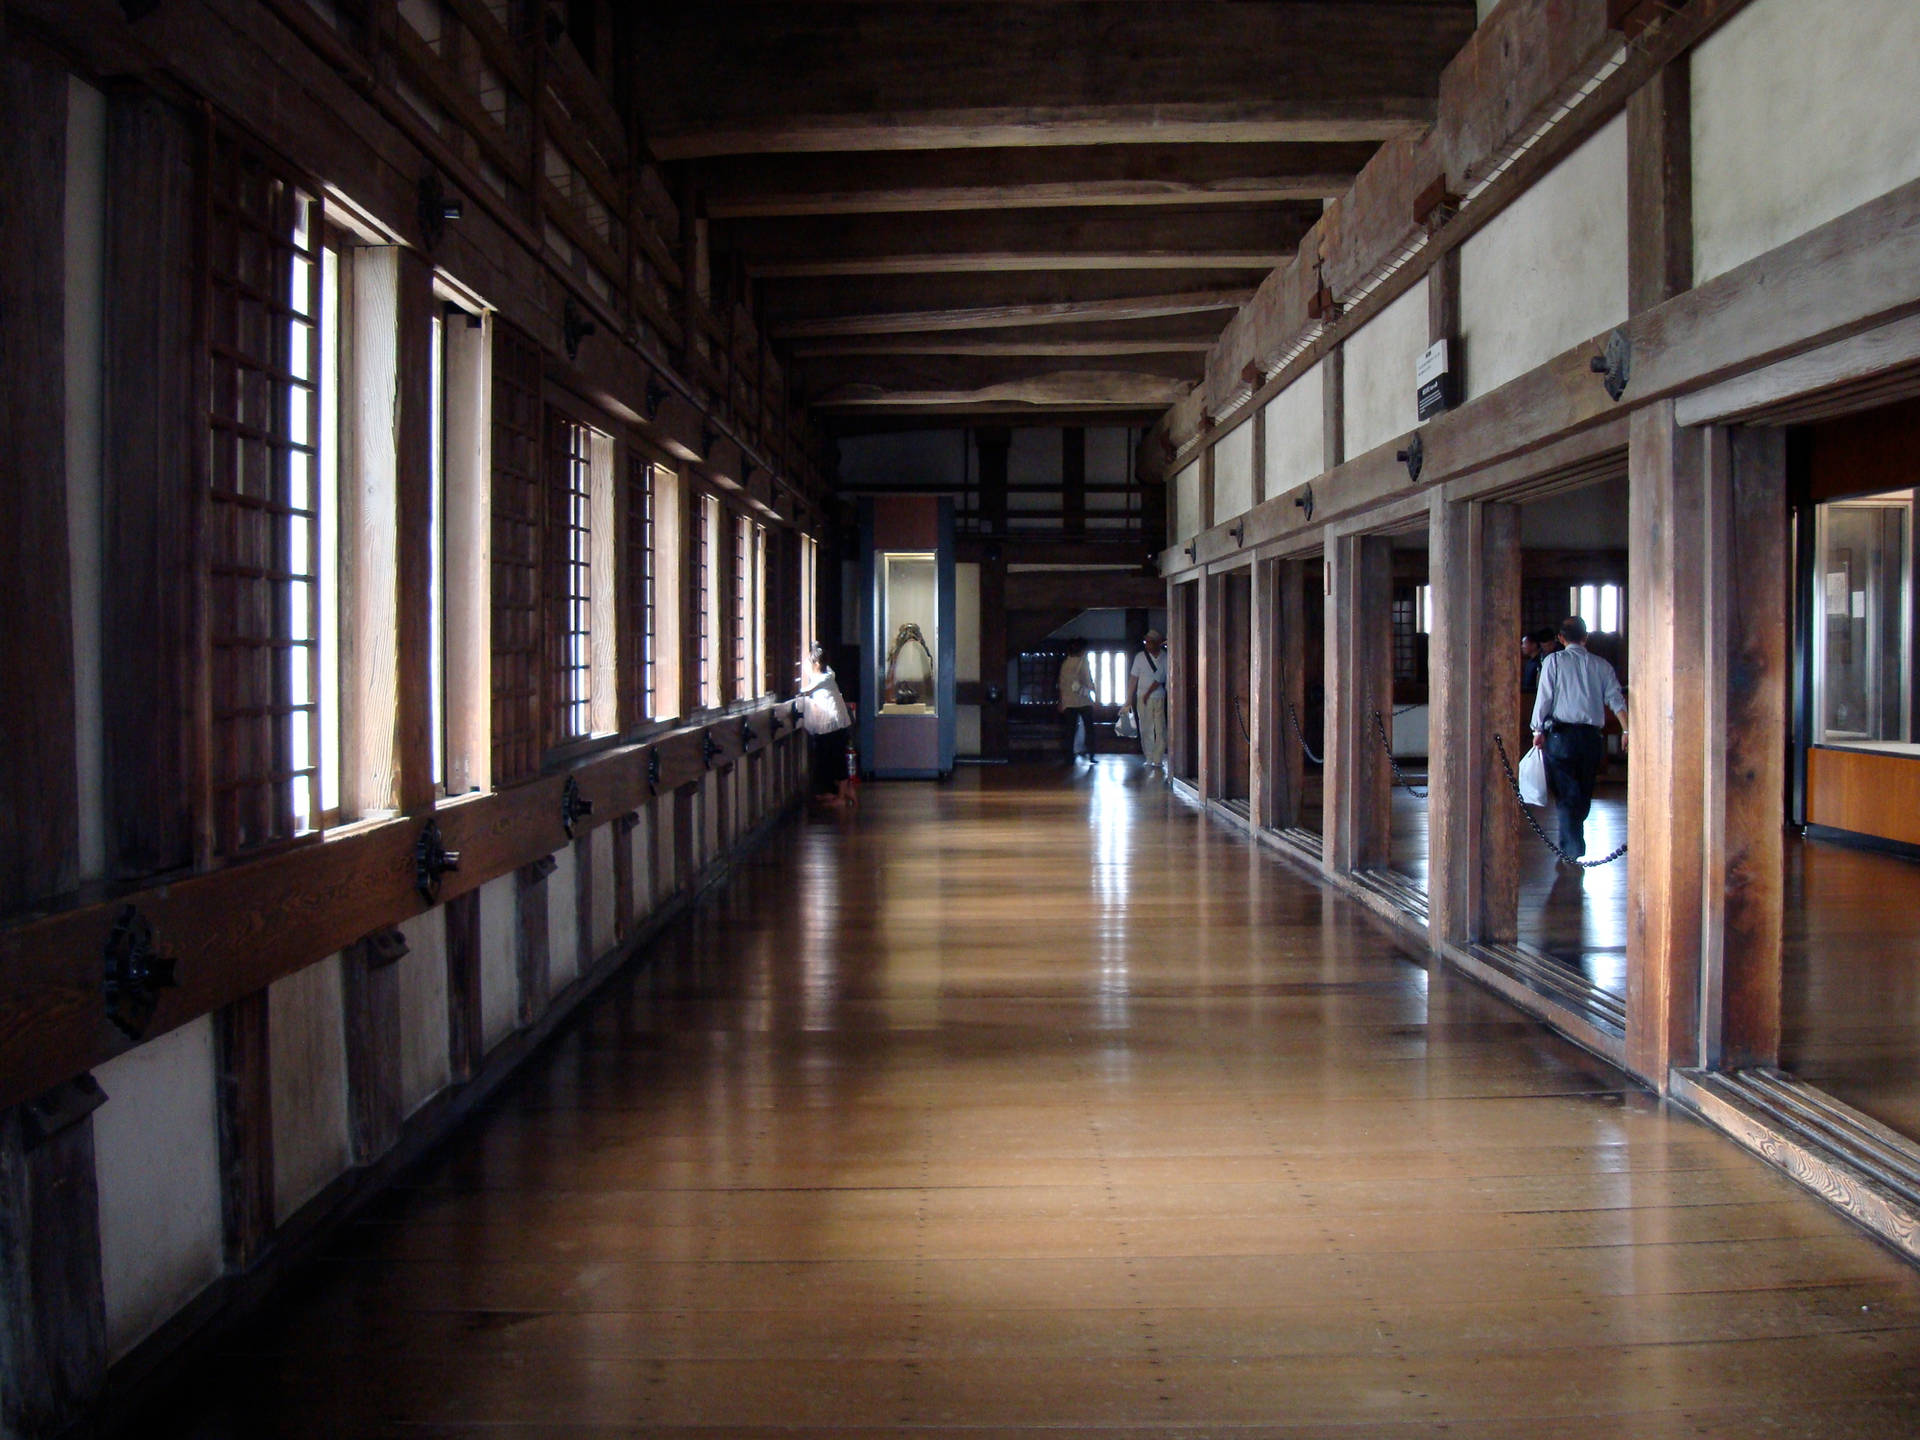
{"points": [[1032, 1105]]}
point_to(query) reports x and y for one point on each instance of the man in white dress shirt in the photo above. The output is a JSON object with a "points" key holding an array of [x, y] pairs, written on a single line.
{"points": [[1577, 688], [1147, 696]]}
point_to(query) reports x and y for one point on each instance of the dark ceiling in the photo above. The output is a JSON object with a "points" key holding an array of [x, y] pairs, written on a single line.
{"points": [[1019, 210]]}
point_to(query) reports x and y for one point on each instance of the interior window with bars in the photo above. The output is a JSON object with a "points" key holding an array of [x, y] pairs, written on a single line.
{"points": [[516, 519], [573, 663], [643, 595], [742, 588], [707, 588], [264, 349]]}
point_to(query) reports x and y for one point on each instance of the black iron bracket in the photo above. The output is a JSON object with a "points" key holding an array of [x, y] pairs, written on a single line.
{"points": [[1304, 500], [1616, 363], [1414, 457], [711, 749], [134, 974], [657, 394], [431, 860], [747, 736], [435, 209], [653, 772], [1238, 530], [573, 805]]}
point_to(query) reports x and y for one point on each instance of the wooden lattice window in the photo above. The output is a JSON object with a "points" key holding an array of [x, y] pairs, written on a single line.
{"points": [[742, 595], [518, 518], [705, 549], [263, 415], [642, 650], [570, 571]]}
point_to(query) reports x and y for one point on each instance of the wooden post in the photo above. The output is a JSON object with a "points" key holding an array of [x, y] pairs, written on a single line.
{"points": [[623, 905], [53, 1314], [1333, 408], [1290, 652], [1259, 423], [39, 799], [583, 903], [1262, 687], [466, 1030], [1749, 624], [1359, 783], [1201, 671], [413, 515], [1473, 884], [1665, 802], [243, 1056], [370, 984], [1660, 188], [1073, 479], [151, 484]]}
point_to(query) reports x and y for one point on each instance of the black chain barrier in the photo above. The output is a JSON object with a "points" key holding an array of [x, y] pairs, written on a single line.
{"points": [[1380, 729], [1301, 735], [1514, 782], [1240, 714]]}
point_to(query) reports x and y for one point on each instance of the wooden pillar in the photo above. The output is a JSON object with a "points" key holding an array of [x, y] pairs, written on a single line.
{"points": [[1473, 858], [39, 821], [624, 914], [1263, 676], [1749, 625], [1660, 188], [1359, 782], [583, 882], [1333, 408], [1666, 594], [53, 1321], [370, 985], [243, 1057], [1289, 760], [993, 654], [993, 443], [466, 1030], [1201, 672], [1259, 423], [1073, 479], [413, 514], [151, 485]]}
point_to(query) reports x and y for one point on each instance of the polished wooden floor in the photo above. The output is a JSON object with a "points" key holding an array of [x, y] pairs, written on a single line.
{"points": [[1035, 1105]]}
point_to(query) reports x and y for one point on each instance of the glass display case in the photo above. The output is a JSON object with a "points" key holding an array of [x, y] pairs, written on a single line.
{"points": [[909, 610], [1863, 641]]}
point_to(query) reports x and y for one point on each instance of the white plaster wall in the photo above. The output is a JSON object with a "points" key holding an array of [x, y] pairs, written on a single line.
{"points": [[1377, 396], [307, 1047], [640, 839], [1233, 474], [499, 958], [605, 924], [966, 622], [1802, 110], [1296, 432], [157, 1154], [1186, 504], [563, 922], [1551, 270], [1109, 455], [422, 972]]}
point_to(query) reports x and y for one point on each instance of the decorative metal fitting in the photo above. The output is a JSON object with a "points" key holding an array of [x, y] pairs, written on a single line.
{"points": [[711, 749], [653, 772], [709, 437], [1413, 457], [1189, 551], [574, 327], [436, 207], [1616, 364], [1238, 530], [134, 974], [747, 736], [1304, 500], [572, 806], [431, 860], [657, 394], [383, 948]]}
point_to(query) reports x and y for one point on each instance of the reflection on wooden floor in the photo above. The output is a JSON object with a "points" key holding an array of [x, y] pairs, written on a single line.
{"points": [[1035, 1105], [1851, 978]]}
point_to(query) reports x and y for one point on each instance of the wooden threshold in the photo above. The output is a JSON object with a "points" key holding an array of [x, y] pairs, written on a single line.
{"points": [[1866, 1171], [1300, 843], [1550, 1005]]}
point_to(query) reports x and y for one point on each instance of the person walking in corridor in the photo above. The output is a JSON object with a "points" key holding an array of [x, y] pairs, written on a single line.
{"points": [[1076, 694], [1147, 696], [1577, 688]]}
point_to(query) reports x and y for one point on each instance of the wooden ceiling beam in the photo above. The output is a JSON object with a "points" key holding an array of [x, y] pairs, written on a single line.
{"points": [[1085, 176], [987, 317], [1255, 238], [782, 78], [853, 379]]}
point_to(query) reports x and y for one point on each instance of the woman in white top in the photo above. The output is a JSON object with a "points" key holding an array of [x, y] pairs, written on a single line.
{"points": [[823, 714], [1147, 696], [1076, 694]]}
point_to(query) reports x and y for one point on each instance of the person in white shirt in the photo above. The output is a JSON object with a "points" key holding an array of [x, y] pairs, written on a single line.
{"points": [[1147, 696], [1076, 694], [1577, 688]]}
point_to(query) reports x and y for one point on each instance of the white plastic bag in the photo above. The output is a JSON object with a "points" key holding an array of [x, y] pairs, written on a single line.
{"points": [[1127, 727], [1533, 778]]}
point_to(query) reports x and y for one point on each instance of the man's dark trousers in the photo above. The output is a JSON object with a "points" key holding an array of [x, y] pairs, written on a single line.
{"points": [[1573, 754]]}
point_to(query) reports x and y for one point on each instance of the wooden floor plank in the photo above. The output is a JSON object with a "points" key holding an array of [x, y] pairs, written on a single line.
{"points": [[1026, 1106]]}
